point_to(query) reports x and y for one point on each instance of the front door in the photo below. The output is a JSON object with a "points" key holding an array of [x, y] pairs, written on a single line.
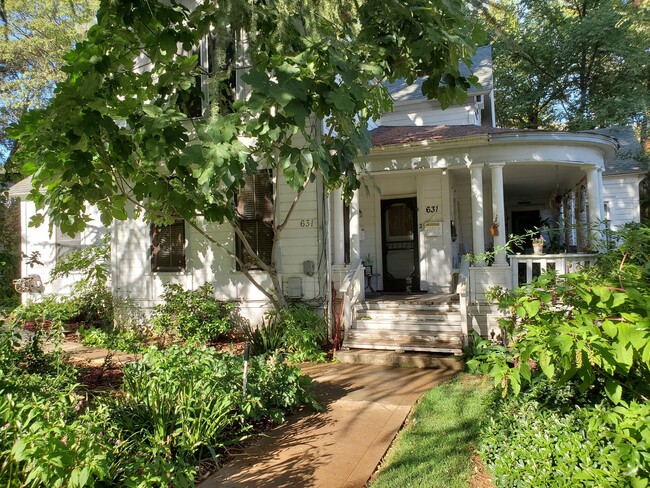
{"points": [[399, 229]]}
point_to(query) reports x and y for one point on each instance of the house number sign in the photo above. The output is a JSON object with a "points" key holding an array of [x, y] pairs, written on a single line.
{"points": [[308, 223], [430, 209]]}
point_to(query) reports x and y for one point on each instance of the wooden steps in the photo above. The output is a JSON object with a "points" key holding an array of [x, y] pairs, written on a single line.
{"points": [[407, 325]]}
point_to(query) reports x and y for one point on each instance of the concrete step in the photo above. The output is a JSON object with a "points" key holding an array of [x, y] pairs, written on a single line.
{"points": [[401, 359]]}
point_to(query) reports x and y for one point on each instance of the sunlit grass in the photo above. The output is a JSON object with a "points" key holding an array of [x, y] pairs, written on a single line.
{"points": [[435, 447]]}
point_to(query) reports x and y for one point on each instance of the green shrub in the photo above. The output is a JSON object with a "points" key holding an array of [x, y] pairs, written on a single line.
{"points": [[298, 331], [46, 437], [184, 403], [265, 338], [114, 339], [194, 314]]}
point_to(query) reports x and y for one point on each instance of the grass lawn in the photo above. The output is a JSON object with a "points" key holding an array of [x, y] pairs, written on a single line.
{"points": [[435, 447]]}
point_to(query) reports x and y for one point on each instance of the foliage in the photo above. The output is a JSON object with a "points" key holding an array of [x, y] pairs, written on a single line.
{"points": [[304, 333], [46, 438], [90, 296], [113, 339], [584, 335], [264, 338], [194, 314], [9, 250], [579, 65], [297, 331], [434, 449], [183, 403], [540, 439], [34, 36], [301, 68]]}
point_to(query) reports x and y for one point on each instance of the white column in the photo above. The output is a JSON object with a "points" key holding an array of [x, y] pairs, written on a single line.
{"points": [[336, 204], [478, 238], [601, 193], [355, 230], [499, 213], [595, 204]]}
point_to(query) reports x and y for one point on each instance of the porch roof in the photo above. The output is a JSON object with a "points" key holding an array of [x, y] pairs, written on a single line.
{"points": [[391, 135]]}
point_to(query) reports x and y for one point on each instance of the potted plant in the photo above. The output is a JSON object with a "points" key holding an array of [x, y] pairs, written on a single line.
{"points": [[538, 245]]}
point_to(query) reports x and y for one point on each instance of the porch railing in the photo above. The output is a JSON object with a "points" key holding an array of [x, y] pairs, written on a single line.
{"points": [[352, 290], [525, 267]]}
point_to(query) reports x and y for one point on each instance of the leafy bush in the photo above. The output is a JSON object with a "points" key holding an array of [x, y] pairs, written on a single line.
{"points": [[587, 332], [114, 339], [298, 331], [304, 333], [194, 314], [183, 403], [542, 439], [265, 338], [46, 437], [90, 300]]}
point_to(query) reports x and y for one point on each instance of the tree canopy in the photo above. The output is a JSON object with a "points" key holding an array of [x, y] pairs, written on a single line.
{"points": [[119, 135], [34, 35], [578, 64]]}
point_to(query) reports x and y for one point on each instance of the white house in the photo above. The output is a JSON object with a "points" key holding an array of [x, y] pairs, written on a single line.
{"points": [[441, 184]]}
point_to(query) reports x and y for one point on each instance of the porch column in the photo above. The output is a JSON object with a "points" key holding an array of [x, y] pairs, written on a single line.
{"points": [[355, 230], [595, 204], [499, 213], [478, 238], [336, 204]]}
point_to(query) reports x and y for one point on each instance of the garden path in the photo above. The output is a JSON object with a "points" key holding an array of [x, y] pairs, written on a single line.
{"points": [[365, 407]]}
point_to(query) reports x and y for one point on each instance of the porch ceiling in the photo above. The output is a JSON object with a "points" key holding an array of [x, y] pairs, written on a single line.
{"points": [[526, 181]]}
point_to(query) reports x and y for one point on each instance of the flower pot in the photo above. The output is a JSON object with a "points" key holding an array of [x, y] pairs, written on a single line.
{"points": [[538, 249]]}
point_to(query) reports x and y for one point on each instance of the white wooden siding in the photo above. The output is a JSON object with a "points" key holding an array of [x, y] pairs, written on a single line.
{"points": [[429, 113], [622, 194]]}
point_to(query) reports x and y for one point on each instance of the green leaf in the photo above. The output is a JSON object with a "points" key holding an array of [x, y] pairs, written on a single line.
{"points": [[610, 328], [614, 390], [532, 307]]}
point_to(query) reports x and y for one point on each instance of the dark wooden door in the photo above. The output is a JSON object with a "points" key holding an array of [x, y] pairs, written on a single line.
{"points": [[399, 229]]}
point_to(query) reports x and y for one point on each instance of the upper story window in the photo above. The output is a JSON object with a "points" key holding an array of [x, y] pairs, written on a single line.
{"points": [[168, 247], [255, 218], [217, 81], [65, 243]]}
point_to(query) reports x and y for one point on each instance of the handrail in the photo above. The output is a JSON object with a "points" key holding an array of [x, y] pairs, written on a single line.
{"points": [[352, 290]]}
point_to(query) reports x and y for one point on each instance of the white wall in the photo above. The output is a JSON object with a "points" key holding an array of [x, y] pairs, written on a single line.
{"points": [[205, 262], [622, 194], [429, 113], [38, 239]]}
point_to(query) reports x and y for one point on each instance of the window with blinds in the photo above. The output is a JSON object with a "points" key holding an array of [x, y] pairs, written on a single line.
{"points": [[168, 247], [65, 243], [255, 218]]}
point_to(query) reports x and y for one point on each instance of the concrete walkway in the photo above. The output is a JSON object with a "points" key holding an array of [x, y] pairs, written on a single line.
{"points": [[365, 406]]}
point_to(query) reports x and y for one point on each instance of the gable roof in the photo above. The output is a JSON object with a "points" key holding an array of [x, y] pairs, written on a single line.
{"points": [[481, 67]]}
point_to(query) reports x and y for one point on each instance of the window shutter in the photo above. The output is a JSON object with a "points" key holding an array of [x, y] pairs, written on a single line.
{"points": [[255, 214], [168, 247]]}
